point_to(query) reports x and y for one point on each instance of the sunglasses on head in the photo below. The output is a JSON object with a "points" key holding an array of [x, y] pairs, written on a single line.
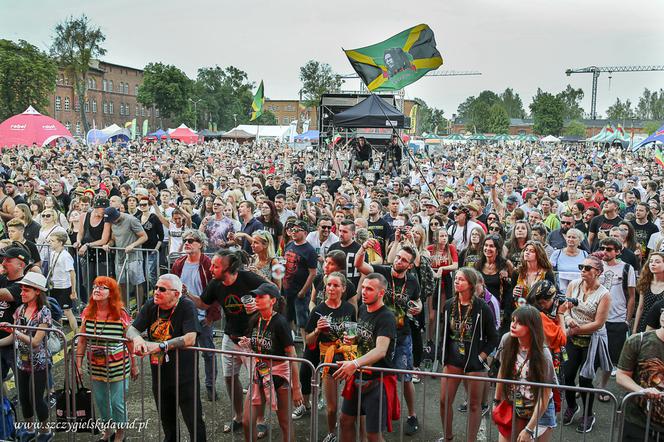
{"points": [[587, 268]]}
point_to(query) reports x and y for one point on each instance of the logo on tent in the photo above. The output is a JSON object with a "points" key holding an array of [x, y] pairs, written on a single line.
{"points": [[48, 127], [18, 126], [391, 123]]}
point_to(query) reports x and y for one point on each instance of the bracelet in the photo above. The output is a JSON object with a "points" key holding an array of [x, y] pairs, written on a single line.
{"points": [[357, 364], [529, 431], [496, 401]]}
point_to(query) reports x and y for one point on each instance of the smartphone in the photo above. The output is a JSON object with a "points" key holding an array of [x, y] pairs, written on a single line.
{"points": [[315, 199], [397, 223]]}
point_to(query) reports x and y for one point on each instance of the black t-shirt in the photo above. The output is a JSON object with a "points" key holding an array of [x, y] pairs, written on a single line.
{"points": [[381, 230], [602, 223], [369, 327], [270, 337], [229, 297], [345, 312], [163, 325], [153, 228], [34, 251], [333, 185], [299, 260], [352, 273], [319, 285], [7, 308], [399, 291], [652, 320], [642, 234]]}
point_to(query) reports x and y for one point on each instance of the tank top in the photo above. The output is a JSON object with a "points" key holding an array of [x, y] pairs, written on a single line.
{"points": [[585, 312], [92, 233], [649, 299]]}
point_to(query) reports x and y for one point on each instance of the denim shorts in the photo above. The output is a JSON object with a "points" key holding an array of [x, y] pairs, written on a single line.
{"points": [[548, 419], [403, 356], [301, 310]]}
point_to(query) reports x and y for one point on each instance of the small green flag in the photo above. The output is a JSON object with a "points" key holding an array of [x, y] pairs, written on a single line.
{"points": [[214, 127], [398, 61], [133, 129], [145, 127], [257, 104]]}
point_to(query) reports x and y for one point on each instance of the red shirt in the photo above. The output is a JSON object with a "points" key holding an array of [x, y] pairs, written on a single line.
{"points": [[587, 204]]}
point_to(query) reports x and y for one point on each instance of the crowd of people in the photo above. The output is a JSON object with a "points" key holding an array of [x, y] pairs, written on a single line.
{"points": [[526, 262]]}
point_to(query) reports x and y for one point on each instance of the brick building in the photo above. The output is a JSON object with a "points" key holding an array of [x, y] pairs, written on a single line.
{"points": [[110, 99]]}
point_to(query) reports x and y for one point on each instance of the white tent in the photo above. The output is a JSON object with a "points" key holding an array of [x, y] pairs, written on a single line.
{"points": [[550, 139], [282, 133]]}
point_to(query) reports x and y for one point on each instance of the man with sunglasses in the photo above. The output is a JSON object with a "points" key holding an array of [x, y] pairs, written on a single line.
{"points": [[171, 325], [194, 270], [322, 238], [556, 238]]}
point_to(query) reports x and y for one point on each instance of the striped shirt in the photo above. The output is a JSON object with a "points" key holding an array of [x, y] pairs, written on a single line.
{"points": [[108, 360]]}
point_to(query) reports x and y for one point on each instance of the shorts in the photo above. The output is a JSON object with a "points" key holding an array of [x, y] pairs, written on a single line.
{"points": [[62, 296], [616, 333], [548, 419], [298, 310], [403, 356], [230, 364], [373, 405], [133, 270]]}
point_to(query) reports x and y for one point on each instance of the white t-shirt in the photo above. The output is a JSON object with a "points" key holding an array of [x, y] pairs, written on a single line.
{"points": [[60, 264], [612, 279], [457, 234]]}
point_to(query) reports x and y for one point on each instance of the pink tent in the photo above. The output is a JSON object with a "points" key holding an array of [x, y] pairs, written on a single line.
{"points": [[184, 134], [31, 127]]}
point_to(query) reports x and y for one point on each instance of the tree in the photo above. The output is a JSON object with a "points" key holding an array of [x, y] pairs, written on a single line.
{"points": [[651, 127], [27, 76], [620, 111], [512, 104], [571, 99], [548, 113], [167, 88], [575, 128], [651, 105], [476, 111], [498, 121], [76, 43], [317, 79], [429, 119]]}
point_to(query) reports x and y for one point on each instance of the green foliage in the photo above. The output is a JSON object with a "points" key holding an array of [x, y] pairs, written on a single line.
{"points": [[512, 104], [651, 126], [651, 105], [571, 99], [575, 128], [429, 119], [27, 76], [620, 111], [167, 87], [548, 113], [76, 43], [498, 121], [317, 79]]}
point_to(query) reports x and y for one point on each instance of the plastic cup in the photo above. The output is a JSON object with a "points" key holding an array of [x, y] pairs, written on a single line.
{"points": [[248, 301], [351, 329]]}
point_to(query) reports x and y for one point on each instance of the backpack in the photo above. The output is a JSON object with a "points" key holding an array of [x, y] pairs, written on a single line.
{"points": [[54, 307], [625, 277], [426, 278], [7, 426]]}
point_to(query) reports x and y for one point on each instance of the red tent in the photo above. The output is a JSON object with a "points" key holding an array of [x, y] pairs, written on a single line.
{"points": [[31, 127], [184, 134]]}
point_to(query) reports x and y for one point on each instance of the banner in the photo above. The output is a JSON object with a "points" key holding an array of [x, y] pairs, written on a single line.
{"points": [[413, 119], [133, 129], [145, 128], [257, 104], [398, 61]]}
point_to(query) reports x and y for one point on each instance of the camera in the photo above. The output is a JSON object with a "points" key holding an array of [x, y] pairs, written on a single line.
{"points": [[560, 299]]}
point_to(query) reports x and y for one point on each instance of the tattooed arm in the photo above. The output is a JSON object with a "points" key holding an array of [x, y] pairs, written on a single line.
{"points": [[185, 341]]}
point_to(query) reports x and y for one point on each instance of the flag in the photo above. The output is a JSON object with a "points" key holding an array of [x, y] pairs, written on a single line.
{"points": [[257, 104], [398, 61], [145, 127], [214, 127], [133, 129], [413, 119], [336, 138], [127, 124], [659, 158]]}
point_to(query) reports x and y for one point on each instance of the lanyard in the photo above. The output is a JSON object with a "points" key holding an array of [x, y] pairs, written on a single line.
{"points": [[520, 369], [261, 336], [394, 290], [462, 326]]}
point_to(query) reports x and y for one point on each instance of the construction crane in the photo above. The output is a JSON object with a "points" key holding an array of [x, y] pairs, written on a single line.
{"points": [[595, 70], [436, 73]]}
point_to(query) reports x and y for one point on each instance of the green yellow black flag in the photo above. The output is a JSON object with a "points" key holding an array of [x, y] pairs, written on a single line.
{"points": [[398, 61], [257, 104]]}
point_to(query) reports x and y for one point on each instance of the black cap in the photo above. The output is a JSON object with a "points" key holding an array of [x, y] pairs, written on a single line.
{"points": [[101, 203], [111, 214], [266, 288], [15, 252], [301, 224]]}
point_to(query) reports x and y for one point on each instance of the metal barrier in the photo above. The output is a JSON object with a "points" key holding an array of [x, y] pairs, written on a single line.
{"points": [[648, 433], [491, 381]]}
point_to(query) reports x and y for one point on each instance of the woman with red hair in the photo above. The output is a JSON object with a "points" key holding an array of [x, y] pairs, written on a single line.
{"points": [[109, 361]]}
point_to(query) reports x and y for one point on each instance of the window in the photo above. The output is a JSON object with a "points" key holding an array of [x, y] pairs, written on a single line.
{"points": [[122, 108], [78, 128], [77, 105], [110, 85], [285, 120], [67, 104], [68, 125], [94, 106], [104, 85], [156, 113], [110, 108], [136, 113], [126, 88], [142, 111], [105, 107], [94, 83], [86, 106], [58, 103], [136, 90]]}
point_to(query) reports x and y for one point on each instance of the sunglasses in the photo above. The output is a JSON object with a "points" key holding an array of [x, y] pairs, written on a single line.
{"points": [[566, 223], [190, 241], [434, 224], [494, 229], [217, 205], [143, 204], [46, 215], [587, 268], [325, 227], [607, 249], [162, 289], [296, 229]]}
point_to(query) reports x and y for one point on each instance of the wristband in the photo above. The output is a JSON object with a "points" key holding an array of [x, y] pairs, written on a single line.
{"points": [[357, 364], [530, 432]]}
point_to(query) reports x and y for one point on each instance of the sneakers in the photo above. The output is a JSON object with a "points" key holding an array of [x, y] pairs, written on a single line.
{"points": [[586, 424], [23, 435], [300, 412], [331, 437], [463, 407], [51, 400], [416, 379], [485, 409], [412, 425], [614, 372], [45, 437], [322, 403], [212, 396], [570, 414]]}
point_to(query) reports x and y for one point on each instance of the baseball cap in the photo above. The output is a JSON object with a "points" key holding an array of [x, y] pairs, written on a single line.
{"points": [[512, 199], [111, 214], [301, 224], [15, 252], [35, 280], [101, 203], [266, 288]]}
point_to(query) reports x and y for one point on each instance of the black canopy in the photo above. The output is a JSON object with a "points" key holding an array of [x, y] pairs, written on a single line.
{"points": [[371, 112]]}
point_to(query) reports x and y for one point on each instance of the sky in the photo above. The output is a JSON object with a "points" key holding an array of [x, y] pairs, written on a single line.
{"points": [[522, 44]]}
